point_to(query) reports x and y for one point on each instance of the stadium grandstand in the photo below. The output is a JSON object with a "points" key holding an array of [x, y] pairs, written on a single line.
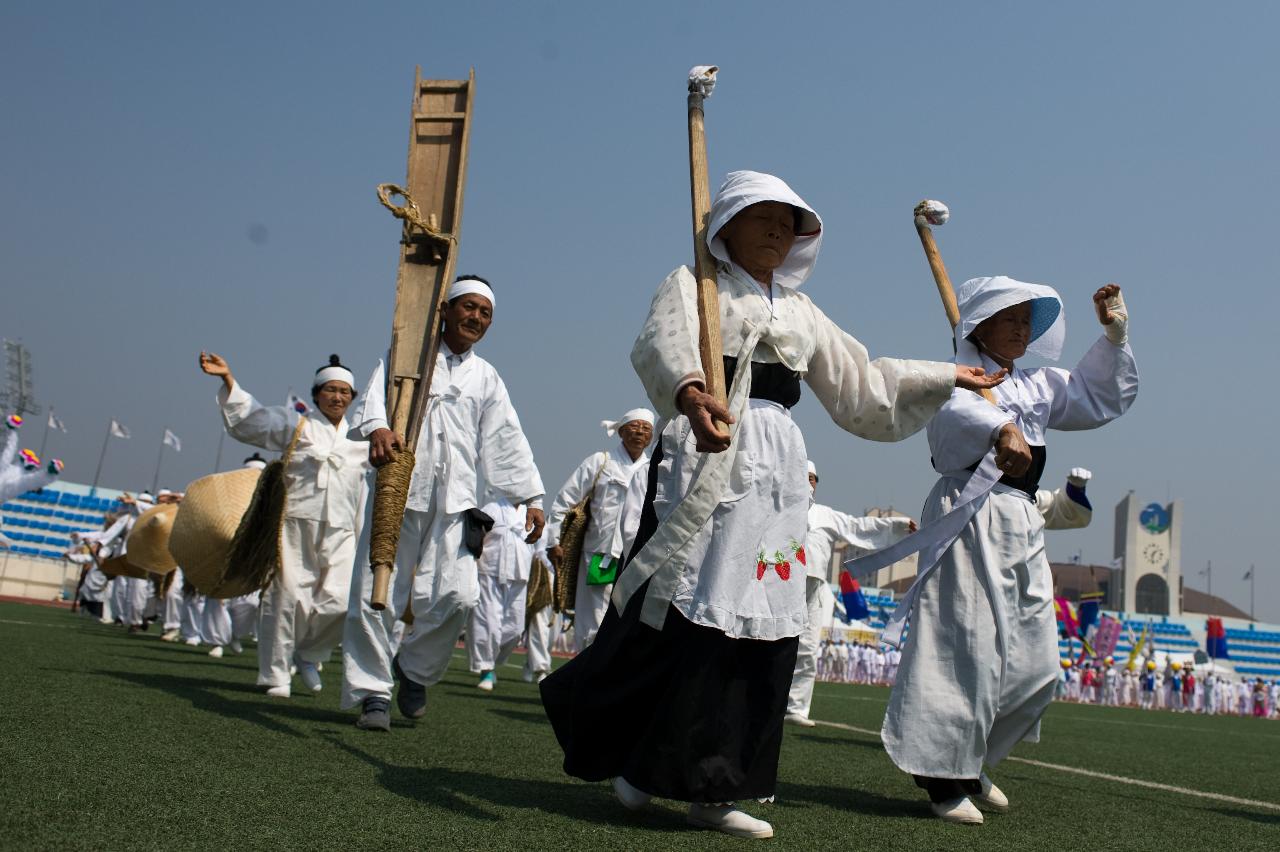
{"points": [[38, 526]]}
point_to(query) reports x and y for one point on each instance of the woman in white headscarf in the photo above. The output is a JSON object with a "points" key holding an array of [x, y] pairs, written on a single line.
{"points": [[302, 611], [605, 475], [682, 695], [982, 661]]}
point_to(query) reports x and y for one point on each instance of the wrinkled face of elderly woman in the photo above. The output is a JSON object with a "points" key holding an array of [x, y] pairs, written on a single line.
{"points": [[636, 435], [760, 236], [1005, 335]]}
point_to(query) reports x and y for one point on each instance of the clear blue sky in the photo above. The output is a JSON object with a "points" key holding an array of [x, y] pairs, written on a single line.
{"points": [[1076, 144]]}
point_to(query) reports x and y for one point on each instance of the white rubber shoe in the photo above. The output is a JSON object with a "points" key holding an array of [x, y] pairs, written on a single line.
{"points": [[236, 647], [169, 636], [631, 798], [310, 676], [729, 820], [216, 652], [279, 691], [192, 641], [991, 798], [959, 810], [801, 720]]}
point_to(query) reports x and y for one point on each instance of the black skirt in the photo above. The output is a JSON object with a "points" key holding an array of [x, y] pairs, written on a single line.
{"points": [[683, 713]]}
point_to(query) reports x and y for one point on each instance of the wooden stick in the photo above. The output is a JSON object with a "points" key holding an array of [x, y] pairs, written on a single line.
{"points": [[941, 278], [710, 347]]}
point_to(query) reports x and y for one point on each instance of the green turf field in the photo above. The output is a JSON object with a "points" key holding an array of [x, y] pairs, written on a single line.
{"points": [[124, 742]]}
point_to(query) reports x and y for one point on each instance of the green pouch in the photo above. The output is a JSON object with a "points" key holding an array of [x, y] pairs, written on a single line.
{"points": [[599, 574]]}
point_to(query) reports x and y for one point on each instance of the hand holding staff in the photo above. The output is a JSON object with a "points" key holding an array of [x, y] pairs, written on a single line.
{"points": [[702, 80]]}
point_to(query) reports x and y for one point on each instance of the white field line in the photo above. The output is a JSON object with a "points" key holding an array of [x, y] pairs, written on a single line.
{"points": [[32, 623], [1118, 779]]}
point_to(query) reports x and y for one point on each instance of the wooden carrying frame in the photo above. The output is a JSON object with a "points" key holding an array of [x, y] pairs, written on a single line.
{"points": [[439, 136]]}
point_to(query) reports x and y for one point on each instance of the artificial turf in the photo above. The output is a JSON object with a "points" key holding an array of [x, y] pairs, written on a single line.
{"points": [[110, 741]]}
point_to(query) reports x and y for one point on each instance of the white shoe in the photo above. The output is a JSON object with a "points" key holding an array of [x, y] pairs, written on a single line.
{"points": [[959, 810], [310, 676], [192, 641], [730, 820], [527, 676], [279, 691], [542, 676], [236, 647], [631, 798], [216, 652], [991, 798], [801, 720], [487, 681], [169, 636]]}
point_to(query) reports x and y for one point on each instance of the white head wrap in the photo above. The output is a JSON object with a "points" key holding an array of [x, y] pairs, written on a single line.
{"points": [[744, 188], [466, 286], [255, 463], [813, 470], [335, 372], [982, 298], [611, 426]]}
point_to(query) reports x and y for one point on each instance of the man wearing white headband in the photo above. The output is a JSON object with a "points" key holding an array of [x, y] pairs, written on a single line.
{"points": [[827, 527], [684, 691], [301, 612], [605, 475], [982, 663], [470, 432]]}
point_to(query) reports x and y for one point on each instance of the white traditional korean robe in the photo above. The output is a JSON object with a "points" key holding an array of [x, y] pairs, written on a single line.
{"points": [[604, 535], [981, 662], [471, 431], [302, 611], [496, 622], [826, 527], [724, 557]]}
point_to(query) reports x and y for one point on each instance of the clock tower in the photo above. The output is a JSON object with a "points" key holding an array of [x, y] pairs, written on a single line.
{"points": [[1149, 549]]}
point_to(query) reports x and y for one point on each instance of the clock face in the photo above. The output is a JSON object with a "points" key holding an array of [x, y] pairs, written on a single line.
{"points": [[1153, 554]]}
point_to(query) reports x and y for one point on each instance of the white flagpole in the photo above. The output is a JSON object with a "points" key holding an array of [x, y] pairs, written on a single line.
{"points": [[102, 455], [217, 462], [155, 482], [45, 439]]}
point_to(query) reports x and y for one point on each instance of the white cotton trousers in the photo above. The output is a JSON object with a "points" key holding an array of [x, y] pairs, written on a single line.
{"points": [[590, 606], [965, 696], [436, 575], [134, 594], [820, 600], [192, 616], [301, 612], [538, 641], [496, 622], [225, 620], [173, 603]]}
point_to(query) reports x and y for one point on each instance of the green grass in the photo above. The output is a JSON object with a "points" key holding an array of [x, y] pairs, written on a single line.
{"points": [[110, 741]]}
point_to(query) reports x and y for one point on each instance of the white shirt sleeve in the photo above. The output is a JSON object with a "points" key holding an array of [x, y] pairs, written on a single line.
{"points": [[370, 413], [505, 455], [887, 399], [1100, 388], [249, 422]]}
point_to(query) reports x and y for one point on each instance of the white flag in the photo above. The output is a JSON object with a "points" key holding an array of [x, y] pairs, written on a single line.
{"points": [[55, 423], [118, 429], [298, 404], [172, 440], [1117, 563]]}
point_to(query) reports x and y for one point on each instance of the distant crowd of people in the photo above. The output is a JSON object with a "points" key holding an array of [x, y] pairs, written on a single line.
{"points": [[1175, 687], [858, 662]]}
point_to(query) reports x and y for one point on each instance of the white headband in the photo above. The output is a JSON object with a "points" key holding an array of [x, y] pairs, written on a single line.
{"points": [[335, 374], [256, 464], [611, 426], [468, 286], [813, 470]]}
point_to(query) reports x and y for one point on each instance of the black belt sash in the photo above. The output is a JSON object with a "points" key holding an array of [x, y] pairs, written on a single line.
{"points": [[1029, 482], [774, 382]]}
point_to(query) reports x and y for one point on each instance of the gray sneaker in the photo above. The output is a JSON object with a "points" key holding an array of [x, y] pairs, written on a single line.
{"points": [[411, 697], [375, 714]]}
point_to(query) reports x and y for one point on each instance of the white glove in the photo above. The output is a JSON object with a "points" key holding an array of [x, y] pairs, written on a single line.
{"points": [[1079, 477], [702, 79], [1118, 331]]}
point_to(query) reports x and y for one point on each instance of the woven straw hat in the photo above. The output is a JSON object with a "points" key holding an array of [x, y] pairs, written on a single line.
{"points": [[206, 522], [148, 544], [119, 566]]}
